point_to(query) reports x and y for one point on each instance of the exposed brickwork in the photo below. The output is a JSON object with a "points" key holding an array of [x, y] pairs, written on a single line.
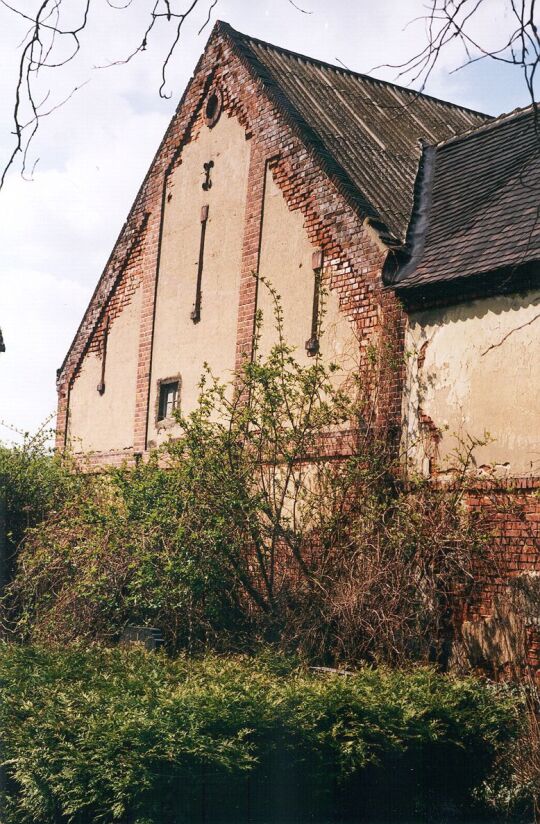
{"points": [[353, 255], [352, 251], [513, 514]]}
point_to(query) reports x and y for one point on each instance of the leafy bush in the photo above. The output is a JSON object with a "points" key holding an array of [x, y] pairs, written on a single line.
{"points": [[35, 482], [124, 735], [246, 530]]}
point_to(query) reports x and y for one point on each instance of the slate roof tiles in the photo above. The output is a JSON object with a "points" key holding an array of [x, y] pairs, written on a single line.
{"points": [[369, 129], [478, 209]]}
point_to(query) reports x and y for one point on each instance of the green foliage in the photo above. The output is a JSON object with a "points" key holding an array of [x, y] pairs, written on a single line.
{"points": [[35, 482], [279, 515], [123, 735], [116, 554]]}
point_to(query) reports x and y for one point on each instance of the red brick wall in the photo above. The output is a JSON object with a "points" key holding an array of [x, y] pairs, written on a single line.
{"points": [[512, 514]]}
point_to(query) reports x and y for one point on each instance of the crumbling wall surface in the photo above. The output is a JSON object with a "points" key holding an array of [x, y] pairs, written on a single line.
{"points": [[473, 371], [473, 374]]}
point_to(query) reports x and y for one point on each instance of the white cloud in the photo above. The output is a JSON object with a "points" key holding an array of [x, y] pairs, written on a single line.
{"points": [[39, 312]]}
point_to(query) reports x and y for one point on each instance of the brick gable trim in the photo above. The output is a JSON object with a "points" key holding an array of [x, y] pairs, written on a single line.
{"points": [[353, 250], [112, 270]]}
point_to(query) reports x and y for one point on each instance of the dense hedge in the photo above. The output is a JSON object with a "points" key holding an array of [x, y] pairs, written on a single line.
{"points": [[123, 735]]}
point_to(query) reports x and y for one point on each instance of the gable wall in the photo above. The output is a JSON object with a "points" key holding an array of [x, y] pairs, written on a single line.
{"points": [[317, 215]]}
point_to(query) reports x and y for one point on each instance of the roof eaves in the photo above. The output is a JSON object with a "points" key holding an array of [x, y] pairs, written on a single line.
{"points": [[505, 280]]}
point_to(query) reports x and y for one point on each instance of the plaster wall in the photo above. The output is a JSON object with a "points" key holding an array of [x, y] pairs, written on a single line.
{"points": [[182, 347], [474, 369], [105, 422], [286, 263]]}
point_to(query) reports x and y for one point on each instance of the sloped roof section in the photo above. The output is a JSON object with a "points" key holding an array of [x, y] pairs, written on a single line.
{"points": [[368, 130], [478, 207]]}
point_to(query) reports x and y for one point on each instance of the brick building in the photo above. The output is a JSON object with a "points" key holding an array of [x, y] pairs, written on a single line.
{"points": [[421, 216]]}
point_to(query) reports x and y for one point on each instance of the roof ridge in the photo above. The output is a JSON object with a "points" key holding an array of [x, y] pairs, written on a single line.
{"points": [[247, 38], [505, 117]]}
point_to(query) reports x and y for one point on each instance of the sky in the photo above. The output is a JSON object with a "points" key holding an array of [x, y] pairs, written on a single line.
{"points": [[58, 224]]}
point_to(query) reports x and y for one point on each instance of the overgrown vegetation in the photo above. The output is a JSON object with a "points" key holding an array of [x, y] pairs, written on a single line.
{"points": [[127, 736], [278, 516], [35, 483], [279, 519]]}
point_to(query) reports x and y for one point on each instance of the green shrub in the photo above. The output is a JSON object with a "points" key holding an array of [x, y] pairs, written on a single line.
{"points": [[241, 533], [124, 735], [36, 483]]}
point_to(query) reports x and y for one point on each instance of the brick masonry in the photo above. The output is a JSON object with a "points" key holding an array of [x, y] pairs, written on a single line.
{"points": [[513, 514], [353, 254]]}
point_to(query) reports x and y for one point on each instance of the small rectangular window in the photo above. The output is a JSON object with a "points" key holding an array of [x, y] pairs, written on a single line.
{"points": [[168, 400]]}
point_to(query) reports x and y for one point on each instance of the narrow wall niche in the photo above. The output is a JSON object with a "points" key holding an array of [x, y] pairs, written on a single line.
{"points": [[312, 344], [196, 311], [101, 384]]}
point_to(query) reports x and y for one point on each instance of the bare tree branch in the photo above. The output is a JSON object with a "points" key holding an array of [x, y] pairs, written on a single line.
{"points": [[453, 21], [43, 49]]}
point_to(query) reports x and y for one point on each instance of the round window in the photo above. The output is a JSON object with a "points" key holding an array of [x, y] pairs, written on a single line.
{"points": [[212, 110]]}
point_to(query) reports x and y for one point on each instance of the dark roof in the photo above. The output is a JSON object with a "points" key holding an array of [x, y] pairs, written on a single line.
{"points": [[367, 130], [477, 208]]}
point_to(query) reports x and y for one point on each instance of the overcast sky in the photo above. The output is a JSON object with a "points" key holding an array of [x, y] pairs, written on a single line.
{"points": [[56, 232]]}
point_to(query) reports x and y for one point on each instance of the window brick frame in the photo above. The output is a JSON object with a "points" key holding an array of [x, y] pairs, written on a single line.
{"points": [[166, 423]]}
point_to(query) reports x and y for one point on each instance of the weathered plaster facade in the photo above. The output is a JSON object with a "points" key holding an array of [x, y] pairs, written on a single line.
{"points": [[104, 422], [181, 346], [473, 370], [286, 263]]}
